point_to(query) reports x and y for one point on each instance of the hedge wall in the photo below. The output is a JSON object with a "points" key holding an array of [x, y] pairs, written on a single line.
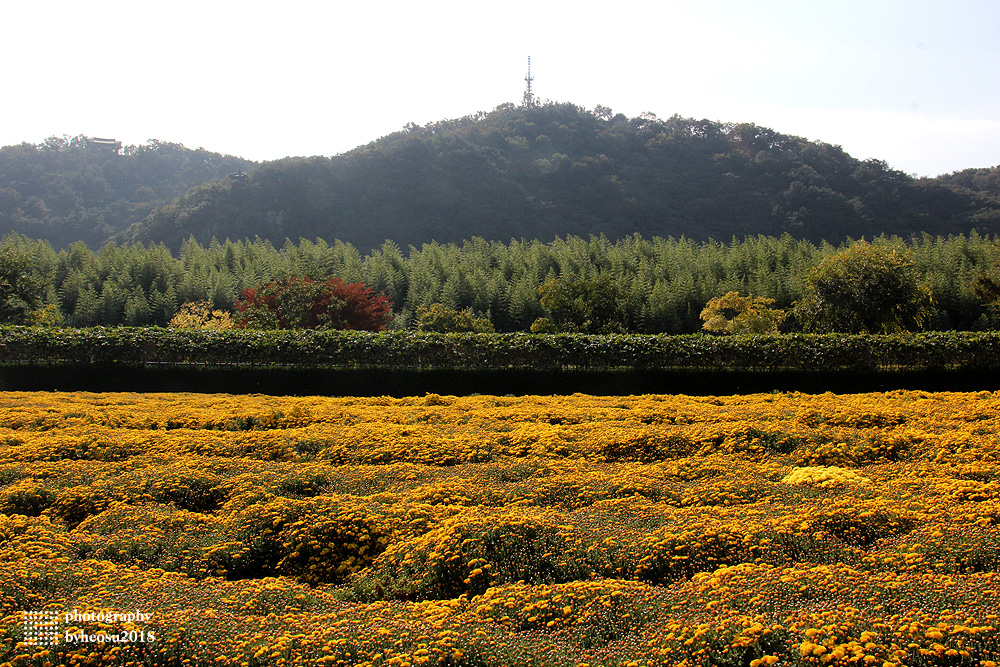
{"points": [[351, 349]]}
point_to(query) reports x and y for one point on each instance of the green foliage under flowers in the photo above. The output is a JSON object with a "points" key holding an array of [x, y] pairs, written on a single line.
{"points": [[463, 558], [75, 504], [313, 541], [27, 496]]}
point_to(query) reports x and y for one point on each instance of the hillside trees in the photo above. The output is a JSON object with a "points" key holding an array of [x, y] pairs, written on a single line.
{"points": [[539, 172], [554, 170], [62, 191], [985, 180]]}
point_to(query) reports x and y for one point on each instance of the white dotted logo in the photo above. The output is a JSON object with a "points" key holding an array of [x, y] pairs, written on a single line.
{"points": [[41, 628]]}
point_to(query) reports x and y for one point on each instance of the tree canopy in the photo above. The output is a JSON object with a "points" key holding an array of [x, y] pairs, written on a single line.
{"points": [[21, 288], [733, 313], [304, 303], [441, 319], [582, 305], [865, 289]]}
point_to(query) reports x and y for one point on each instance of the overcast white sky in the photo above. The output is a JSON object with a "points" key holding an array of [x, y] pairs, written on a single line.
{"points": [[913, 82]]}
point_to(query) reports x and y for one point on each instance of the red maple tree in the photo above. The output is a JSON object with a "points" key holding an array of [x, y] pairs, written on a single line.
{"points": [[304, 303]]}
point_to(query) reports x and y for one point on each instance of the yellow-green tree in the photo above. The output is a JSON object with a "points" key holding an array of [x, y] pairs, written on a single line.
{"points": [[21, 288], [987, 287], [581, 305], [442, 319], [200, 315], [865, 289], [733, 314]]}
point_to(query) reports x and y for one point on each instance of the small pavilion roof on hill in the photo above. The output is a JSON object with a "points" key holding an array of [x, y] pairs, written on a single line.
{"points": [[104, 143]]}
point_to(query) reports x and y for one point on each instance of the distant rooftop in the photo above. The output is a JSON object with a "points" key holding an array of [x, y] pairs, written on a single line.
{"points": [[101, 142]]}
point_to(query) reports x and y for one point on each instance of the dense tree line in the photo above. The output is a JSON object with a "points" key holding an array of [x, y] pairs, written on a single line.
{"points": [[546, 171], [660, 285], [65, 189]]}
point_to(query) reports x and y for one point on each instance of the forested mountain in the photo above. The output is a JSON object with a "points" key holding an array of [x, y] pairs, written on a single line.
{"points": [[537, 172], [546, 171], [72, 189]]}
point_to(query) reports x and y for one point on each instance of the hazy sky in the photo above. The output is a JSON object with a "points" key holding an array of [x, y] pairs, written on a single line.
{"points": [[913, 82]]}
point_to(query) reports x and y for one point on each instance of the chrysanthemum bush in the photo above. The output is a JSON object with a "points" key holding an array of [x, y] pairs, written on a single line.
{"points": [[29, 497], [783, 529], [465, 555], [316, 541]]}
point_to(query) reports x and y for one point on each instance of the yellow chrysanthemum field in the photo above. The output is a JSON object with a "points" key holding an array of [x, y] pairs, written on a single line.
{"points": [[769, 529]]}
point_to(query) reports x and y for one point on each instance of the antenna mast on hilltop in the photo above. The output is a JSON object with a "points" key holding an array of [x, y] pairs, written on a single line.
{"points": [[529, 97]]}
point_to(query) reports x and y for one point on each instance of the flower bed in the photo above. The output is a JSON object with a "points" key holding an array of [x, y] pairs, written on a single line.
{"points": [[786, 529]]}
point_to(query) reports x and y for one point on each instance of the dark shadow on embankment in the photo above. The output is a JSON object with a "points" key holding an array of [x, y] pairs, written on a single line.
{"points": [[412, 382]]}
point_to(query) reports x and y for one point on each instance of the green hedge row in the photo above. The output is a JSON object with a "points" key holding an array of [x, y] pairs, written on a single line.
{"points": [[151, 345]]}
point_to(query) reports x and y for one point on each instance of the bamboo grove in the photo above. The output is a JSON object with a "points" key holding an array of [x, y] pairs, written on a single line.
{"points": [[663, 283]]}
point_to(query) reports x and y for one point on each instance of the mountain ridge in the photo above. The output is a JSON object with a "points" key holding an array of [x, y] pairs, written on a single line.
{"points": [[546, 171], [69, 189], [556, 169]]}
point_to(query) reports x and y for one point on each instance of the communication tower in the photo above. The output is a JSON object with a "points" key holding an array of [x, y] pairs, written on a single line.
{"points": [[529, 97]]}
